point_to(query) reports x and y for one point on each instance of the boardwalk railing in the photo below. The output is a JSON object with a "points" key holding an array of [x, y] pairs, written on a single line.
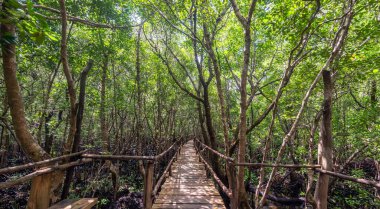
{"points": [[231, 191], [41, 178]]}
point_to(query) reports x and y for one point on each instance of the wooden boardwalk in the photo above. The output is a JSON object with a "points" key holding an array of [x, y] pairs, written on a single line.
{"points": [[188, 187]]}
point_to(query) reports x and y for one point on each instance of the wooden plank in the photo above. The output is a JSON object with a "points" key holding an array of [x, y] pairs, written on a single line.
{"points": [[184, 185], [192, 189], [195, 167], [39, 194], [83, 203], [188, 206], [189, 171], [178, 186], [188, 192], [196, 199], [190, 181], [190, 177]]}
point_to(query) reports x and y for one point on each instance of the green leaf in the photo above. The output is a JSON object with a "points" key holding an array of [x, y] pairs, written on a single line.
{"points": [[29, 5]]}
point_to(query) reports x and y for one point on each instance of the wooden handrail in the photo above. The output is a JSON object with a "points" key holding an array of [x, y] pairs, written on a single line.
{"points": [[83, 155], [351, 178], [149, 191], [85, 158], [215, 152], [42, 171], [260, 165], [162, 154], [118, 157], [129, 157], [220, 183], [39, 163], [162, 178]]}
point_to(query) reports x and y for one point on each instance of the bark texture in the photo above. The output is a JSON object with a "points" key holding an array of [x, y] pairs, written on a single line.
{"points": [[8, 37], [69, 78], [325, 146], [77, 139]]}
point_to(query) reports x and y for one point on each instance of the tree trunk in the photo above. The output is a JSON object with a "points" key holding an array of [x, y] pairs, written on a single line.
{"points": [[242, 195], [211, 131], [325, 146], [46, 98], [69, 78], [242, 135], [201, 119], [103, 122], [23, 136], [309, 199], [77, 137], [139, 101], [8, 32], [48, 136], [373, 93], [223, 114]]}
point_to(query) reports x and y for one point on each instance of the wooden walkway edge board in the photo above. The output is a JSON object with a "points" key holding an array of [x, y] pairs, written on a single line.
{"points": [[84, 203], [188, 187]]}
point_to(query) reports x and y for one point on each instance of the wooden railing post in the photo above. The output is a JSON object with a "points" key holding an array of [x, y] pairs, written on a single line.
{"points": [[170, 171], [148, 185], [39, 197], [232, 185]]}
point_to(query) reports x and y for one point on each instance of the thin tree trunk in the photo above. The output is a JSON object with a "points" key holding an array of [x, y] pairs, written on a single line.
{"points": [[373, 93], [293, 61], [103, 122], [223, 114], [77, 137], [201, 123], [139, 101], [339, 39], [69, 78], [210, 130], [310, 173], [325, 146], [242, 195], [46, 102], [48, 136], [242, 135]]}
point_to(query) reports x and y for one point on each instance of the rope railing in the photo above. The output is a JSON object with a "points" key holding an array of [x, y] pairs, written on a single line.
{"points": [[45, 167]]}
